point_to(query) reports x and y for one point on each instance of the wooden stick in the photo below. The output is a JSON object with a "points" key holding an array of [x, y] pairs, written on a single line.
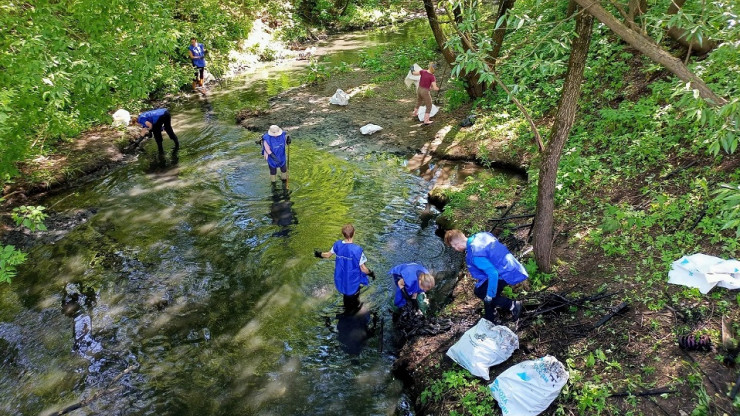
{"points": [[653, 392]]}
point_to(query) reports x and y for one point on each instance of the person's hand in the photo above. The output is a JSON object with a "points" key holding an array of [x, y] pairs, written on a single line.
{"points": [[371, 274], [144, 131], [317, 254], [274, 158], [487, 299], [287, 139], [401, 284]]}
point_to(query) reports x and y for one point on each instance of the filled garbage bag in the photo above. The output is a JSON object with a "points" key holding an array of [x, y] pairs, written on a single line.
{"points": [[704, 272], [121, 118], [528, 388], [423, 109], [370, 129], [339, 98], [412, 79], [483, 346]]}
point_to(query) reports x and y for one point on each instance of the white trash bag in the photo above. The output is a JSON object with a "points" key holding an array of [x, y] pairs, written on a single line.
{"points": [[412, 79], [704, 272], [528, 388], [423, 109], [370, 129], [484, 346], [339, 98], [121, 118]]}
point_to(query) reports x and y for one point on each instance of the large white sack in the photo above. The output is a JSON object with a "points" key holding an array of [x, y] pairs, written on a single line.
{"points": [[423, 109], [208, 77], [339, 98], [484, 346], [412, 79], [704, 272], [121, 118], [529, 387], [370, 128]]}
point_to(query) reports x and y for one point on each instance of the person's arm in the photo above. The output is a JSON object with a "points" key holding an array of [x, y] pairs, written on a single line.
{"points": [[148, 127], [434, 86], [266, 148], [490, 270], [323, 254], [190, 52]]}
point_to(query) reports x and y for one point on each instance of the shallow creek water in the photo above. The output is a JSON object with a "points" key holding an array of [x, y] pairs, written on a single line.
{"points": [[191, 288]]}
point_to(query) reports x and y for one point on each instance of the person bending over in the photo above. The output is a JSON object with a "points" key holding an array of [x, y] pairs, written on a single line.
{"points": [[153, 122], [412, 280], [493, 267]]}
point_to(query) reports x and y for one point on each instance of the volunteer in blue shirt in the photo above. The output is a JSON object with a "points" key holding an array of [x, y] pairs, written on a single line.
{"points": [[412, 280], [197, 54], [153, 122], [493, 267], [350, 270], [274, 143]]}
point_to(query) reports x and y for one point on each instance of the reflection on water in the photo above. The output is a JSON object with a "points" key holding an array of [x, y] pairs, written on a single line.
{"points": [[194, 290]]}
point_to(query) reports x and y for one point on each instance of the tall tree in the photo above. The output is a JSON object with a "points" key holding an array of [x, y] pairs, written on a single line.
{"points": [[498, 34], [543, 222]]}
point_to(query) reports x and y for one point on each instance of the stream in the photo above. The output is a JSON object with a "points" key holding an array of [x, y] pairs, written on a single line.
{"points": [[189, 286]]}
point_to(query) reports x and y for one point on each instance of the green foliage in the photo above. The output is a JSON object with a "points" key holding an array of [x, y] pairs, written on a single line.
{"points": [[10, 257], [729, 198], [81, 59], [30, 217], [473, 397]]}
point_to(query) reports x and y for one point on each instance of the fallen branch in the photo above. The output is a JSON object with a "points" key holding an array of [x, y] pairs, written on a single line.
{"points": [[615, 310], [513, 217], [678, 170], [654, 392]]}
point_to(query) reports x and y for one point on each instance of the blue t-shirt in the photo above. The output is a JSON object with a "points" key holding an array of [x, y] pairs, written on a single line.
{"points": [[199, 53], [151, 116]]}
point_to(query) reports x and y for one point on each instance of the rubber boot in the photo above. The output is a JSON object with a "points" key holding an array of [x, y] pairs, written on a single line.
{"points": [[273, 178]]}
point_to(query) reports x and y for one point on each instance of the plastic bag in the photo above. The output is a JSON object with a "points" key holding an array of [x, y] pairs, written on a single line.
{"points": [[483, 346], [339, 98], [121, 118], [529, 387], [704, 272], [370, 129], [412, 79], [423, 109]]}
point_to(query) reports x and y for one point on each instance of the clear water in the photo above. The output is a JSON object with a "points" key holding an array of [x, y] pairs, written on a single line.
{"points": [[192, 289]]}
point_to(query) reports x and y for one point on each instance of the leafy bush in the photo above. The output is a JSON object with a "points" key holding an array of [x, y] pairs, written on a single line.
{"points": [[82, 59]]}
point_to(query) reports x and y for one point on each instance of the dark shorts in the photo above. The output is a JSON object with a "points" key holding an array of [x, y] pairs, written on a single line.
{"points": [[273, 171], [199, 71]]}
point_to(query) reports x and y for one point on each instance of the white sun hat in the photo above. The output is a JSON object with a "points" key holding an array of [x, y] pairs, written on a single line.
{"points": [[275, 130]]}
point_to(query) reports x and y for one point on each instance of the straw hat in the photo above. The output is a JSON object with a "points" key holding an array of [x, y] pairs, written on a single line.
{"points": [[275, 130]]}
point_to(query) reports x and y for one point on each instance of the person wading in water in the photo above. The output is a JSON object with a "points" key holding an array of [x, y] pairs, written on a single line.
{"points": [[350, 270]]}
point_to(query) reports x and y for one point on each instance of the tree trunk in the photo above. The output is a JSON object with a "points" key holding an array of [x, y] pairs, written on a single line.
{"points": [[473, 87], [651, 50], [439, 35], [637, 8], [679, 35], [500, 32], [543, 222]]}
